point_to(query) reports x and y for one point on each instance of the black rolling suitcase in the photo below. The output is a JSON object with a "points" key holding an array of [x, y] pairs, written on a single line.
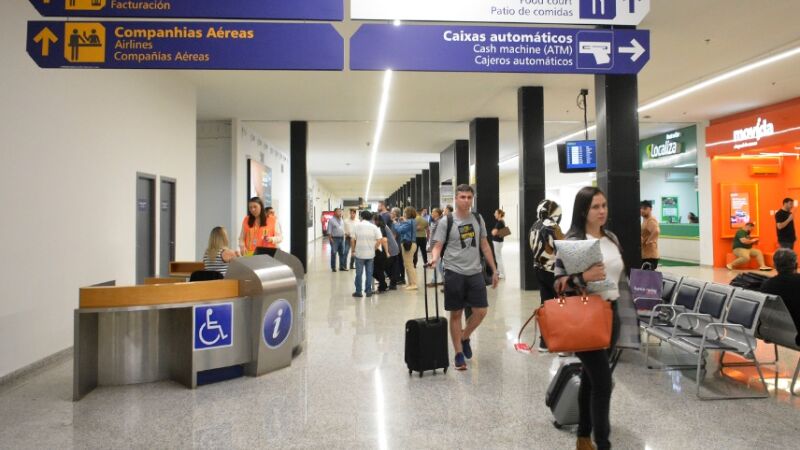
{"points": [[426, 338]]}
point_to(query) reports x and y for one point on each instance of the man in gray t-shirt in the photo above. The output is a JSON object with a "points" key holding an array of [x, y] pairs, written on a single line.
{"points": [[464, 285]]}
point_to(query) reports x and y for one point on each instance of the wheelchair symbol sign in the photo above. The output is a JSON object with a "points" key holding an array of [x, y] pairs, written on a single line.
{"points": [[213, 326]]}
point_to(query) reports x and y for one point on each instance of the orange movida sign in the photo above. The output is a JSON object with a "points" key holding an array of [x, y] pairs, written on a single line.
{"points": [[773, 126]]}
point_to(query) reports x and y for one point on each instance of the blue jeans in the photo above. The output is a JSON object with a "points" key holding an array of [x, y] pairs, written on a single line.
{"points": [[337, 247], [362, 264]]}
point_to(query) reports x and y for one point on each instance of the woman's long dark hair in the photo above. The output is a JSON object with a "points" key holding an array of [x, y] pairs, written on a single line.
{"points": [[580, 211], [251, 219]]}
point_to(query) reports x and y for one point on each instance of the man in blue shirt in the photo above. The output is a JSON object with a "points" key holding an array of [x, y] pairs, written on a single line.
{"points": [[336, 239]]}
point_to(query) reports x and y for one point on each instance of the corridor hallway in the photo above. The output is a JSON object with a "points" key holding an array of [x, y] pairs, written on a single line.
{"points": [[350, 388]]}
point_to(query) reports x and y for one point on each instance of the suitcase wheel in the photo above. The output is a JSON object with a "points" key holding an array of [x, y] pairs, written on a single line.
{"points": [[434, 372], [410, 372], [445, 370], [420, 373], [557, 425]]}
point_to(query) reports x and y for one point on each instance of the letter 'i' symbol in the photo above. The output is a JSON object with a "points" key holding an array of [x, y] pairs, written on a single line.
{"points": [[276, 331]]}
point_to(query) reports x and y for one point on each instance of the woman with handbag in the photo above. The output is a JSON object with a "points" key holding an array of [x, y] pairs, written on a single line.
{"points": [[589, 217], [499, 232]]}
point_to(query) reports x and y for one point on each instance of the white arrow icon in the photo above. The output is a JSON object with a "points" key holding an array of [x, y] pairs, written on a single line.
{"points": [[636, 50]]}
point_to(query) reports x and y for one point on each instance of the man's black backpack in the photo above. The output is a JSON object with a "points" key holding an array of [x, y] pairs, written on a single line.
{"points": [[487, 273], [749, 280]]}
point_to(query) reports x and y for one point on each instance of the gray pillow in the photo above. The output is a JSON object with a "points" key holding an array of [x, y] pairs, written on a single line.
{"points": [[579, 256]]}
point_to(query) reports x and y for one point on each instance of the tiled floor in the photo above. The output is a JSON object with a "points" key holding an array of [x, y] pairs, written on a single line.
{"points": [[350, 389]]}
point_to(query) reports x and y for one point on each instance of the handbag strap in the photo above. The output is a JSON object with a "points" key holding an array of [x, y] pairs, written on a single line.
{"points": [[535, 326]]}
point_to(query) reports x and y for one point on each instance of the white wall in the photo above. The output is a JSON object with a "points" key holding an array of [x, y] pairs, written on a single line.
{"points": [[249, 144], [562, 188], [654, 186], [509, 202], [322, 196], [214, 183], [704, 189], [73, 141]]}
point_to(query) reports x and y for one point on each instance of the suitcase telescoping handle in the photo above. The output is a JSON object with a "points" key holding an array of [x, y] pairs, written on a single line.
{"points": [[435, 290]]}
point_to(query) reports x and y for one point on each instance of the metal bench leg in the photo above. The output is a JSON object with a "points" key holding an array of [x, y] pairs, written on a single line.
{"points": [[794, 377], [732, 397]]}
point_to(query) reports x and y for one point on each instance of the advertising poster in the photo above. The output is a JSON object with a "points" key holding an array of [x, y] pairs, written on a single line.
{"points": [[669, 210], [326, 215], [740, 209], [259, 180]]}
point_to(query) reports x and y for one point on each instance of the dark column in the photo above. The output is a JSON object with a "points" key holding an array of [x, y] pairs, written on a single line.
{"points": [[426, 189], [412, 186], [418, 192], [484, 154], [462, 163], [298, 182], [434, 184], [530, 106], [617, 101]]}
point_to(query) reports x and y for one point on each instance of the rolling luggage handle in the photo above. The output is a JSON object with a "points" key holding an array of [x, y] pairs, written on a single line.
{"points": [[435, 293]]}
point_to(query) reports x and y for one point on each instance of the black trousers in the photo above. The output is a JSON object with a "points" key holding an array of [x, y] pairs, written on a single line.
{"points": [[547, 291], [422, 247], [390, 269], [379, 270], [594, 395], [652, 261]]}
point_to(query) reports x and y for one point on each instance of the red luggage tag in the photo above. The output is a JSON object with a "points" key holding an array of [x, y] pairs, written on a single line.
{"points": [[522, 347]]}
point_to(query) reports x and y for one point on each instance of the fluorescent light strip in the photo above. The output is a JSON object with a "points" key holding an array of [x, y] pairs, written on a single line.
{"points": [[376, 139], [692, 89], [720, 78]]}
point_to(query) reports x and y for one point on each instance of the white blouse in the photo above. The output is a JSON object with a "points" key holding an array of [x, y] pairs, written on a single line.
{"points": [[612, 259]]}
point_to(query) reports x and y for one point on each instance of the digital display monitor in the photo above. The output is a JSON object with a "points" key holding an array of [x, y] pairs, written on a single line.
{"points": [[577, 156]]}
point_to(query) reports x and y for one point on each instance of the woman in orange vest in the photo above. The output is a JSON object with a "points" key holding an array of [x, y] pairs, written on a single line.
{"points": [[254, 227]]}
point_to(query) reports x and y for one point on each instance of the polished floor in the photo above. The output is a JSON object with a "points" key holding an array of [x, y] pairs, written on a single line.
{"points": [[350, 389]]}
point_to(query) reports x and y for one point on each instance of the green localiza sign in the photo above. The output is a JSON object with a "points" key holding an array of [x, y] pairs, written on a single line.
{"points": [[669, 149]]}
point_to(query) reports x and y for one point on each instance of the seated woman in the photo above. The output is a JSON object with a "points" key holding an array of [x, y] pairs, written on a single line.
{"points": [[786, 283], [218, 255]]}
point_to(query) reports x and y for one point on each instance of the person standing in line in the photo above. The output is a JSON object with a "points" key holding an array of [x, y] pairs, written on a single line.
{"points": [[650, 232], [400, 273], [464, 284], [406, 228], [743, 249], [544, 232], [784, 220], [497, 240], [349, 224], [366, 239], [383, 211], [253, 227], [336, 239], [589, 216], [379, 271], [423, 227], [218, 255]]}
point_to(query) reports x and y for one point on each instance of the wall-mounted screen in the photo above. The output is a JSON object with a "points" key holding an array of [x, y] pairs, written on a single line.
{"points": [[577, 156], [740, 209]]}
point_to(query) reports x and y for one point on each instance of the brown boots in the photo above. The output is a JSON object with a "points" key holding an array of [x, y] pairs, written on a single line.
{"points": [[585, 443]]}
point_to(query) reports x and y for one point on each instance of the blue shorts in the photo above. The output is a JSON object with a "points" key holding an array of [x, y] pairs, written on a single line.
{"points": [[461, 291]]}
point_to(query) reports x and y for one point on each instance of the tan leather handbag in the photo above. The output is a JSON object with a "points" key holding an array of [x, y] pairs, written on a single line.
{"points": [[574, 324]]}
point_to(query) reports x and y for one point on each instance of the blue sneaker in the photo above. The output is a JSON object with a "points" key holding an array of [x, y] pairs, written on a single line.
{"points": [[466, 348], [461, 363]]}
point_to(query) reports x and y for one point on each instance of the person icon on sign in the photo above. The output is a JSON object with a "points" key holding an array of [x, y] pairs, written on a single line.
{"points": [[75, 41], [93, 40]]}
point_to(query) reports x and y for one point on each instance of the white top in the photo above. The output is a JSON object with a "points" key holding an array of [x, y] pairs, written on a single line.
{"points": [[366, 235], [612, 259], [349, 224]]}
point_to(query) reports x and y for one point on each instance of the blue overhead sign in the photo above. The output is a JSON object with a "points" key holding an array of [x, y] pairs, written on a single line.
{"points": [[201, 9], [498, 49], [186, 45]]}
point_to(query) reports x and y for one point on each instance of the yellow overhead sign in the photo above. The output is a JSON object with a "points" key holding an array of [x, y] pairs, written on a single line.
{"points": [[83, 5], [85, 42]]}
